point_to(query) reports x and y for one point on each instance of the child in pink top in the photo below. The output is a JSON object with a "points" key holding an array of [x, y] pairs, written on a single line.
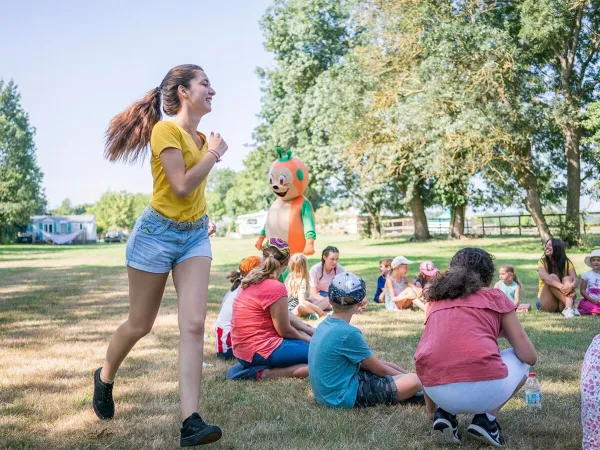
{"points": [[267, 341], [462, 369]]}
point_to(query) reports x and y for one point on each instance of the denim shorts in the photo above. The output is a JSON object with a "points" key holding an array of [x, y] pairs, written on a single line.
{"points": [[157, 244], [289, 353]]}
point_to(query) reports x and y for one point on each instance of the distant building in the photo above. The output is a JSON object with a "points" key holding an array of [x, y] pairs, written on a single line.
{"points": [[63, 229], [250, 224]]}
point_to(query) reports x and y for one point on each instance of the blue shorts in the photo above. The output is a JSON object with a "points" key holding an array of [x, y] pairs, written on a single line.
{"points": [[289, 352], [324, 294], [157, 244]]}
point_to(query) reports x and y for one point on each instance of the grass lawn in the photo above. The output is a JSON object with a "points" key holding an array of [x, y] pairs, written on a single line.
{"points": [[60, 305]]}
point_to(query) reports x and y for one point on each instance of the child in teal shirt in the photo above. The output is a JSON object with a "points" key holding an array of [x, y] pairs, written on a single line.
{"points": [[342, 369]]}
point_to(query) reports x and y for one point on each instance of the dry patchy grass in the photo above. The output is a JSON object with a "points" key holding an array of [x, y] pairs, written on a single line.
{"points": [[60, 305]]}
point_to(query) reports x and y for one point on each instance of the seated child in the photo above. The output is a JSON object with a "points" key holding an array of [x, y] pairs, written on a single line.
{"points": [[399, 292], [427, 272], [590, 286], [296, 285], [509, 284], [458, 359], [342, 369], [385, 265], [223, 323]]}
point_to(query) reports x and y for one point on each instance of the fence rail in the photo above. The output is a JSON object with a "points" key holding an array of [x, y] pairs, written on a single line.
{"points": [[510, 224]]}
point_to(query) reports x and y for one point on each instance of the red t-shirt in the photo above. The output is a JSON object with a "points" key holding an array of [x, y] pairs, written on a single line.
{"points": [[460, 340], [252, 329]]}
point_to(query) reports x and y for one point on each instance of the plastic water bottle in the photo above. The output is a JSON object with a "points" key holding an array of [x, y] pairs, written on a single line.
{"points": [[533, 392]]}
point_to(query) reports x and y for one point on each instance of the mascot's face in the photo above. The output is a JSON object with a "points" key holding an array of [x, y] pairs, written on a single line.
{"points": [[288, 179]]}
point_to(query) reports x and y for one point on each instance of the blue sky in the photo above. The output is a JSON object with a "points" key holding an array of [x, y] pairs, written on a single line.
{"points": [[79, 63]]}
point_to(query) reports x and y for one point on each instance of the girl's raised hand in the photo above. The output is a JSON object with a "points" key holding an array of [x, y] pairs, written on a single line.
{"points": [[217, 143]]}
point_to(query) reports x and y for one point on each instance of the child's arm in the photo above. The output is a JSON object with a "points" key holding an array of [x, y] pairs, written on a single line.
{"points": [[389, 287], [496, 285], [300, 325], [518, 339], [584, 294], [378, 367], [396, 367], [517, 295], [282, 321]]}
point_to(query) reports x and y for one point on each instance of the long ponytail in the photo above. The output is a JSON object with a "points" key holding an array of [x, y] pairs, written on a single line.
{"points": [[273, 259], [128, 133]]}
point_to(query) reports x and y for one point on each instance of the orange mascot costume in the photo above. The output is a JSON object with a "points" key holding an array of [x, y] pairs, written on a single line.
{"points": [[291, 216]]}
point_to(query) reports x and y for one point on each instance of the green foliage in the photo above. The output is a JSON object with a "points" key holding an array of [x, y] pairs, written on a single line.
{"points": [[220, 181], [118, 209], [21, 193]]}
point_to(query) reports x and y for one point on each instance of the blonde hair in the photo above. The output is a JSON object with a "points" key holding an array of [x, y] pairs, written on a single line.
{"points": [[273, 259], [298, 272], [510, 268]]}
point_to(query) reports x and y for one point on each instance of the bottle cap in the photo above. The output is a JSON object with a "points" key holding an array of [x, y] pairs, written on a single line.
{"points": [[532, 374]]}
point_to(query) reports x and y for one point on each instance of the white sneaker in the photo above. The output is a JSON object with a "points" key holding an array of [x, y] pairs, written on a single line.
{"points": [[576, 311], [568, 313]]}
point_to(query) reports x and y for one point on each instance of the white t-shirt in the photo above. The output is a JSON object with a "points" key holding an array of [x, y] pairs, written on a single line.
{"points": [[223, 323], [322, 282], [593, 284]]}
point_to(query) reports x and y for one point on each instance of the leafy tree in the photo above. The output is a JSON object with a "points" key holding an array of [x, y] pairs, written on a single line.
{"points": [[114, 210], [559, 38], [219, 183], [21, 193]]}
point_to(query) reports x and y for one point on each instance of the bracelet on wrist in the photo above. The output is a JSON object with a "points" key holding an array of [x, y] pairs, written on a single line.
{"points": [[216, 155]]}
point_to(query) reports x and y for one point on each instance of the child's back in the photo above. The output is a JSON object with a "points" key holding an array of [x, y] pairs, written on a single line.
{"points": [[334, 357]]}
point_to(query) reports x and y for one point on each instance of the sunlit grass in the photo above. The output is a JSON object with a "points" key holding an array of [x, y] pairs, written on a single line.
{"points": [[60, 305]]}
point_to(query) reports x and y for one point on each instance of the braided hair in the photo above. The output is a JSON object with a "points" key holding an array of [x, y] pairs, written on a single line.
{"points": [[470, 270], [326, 251]]}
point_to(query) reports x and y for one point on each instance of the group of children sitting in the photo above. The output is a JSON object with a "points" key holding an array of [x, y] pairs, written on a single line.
{"points": [[397, 292], [455, 372]]}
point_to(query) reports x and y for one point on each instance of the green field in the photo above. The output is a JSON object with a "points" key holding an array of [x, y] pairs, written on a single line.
{"points": [[59, 305]]}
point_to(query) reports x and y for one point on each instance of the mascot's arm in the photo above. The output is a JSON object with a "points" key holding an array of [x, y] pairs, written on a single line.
{"points": [[308, 221], [261, 238]]}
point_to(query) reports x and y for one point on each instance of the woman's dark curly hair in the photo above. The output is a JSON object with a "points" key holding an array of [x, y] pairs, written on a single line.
{"points": [[470, 270]]}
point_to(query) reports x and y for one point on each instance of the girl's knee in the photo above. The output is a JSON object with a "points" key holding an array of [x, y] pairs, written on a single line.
{"points": [[192, 326]]}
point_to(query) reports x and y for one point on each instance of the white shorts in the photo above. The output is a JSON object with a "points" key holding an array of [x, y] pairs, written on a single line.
{"points": [[478, 397]]}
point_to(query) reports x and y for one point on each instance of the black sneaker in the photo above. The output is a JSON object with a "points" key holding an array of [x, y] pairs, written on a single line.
{"points": [[485, 430], [103, 403], [194, 431], [445, 427]]}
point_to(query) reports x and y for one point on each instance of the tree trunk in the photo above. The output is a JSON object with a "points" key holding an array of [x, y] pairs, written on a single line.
{"points": [[572, 232], [527, 181], [376, 224], [457, 222], [417, 209]]}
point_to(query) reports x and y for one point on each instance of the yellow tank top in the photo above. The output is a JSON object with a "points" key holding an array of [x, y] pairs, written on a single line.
{"points": [[167, 134]]}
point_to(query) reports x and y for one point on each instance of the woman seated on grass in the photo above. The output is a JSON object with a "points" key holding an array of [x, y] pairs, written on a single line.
{"points": [[267, 341], [558, 280], [458, 360]]}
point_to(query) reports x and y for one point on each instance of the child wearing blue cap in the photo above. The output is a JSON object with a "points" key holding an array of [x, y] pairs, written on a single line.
{"points": [[343, 371]]}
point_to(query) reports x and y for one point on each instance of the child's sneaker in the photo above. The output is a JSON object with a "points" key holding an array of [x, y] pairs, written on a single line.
{"points": [[445, 427], [568, 313], [194, 431], [486, 430], [575, 311], [103, 403], [239, 372]]}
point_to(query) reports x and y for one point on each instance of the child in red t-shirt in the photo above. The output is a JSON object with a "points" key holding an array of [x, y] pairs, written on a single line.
{"points": [[458, 360]]}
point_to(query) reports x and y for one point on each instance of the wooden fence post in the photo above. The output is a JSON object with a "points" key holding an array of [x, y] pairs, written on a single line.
{"points": [[483, 224], [500, 224], [519, 224]]}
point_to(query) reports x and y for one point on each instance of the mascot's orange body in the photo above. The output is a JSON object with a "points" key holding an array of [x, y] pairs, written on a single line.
{"points": [[291, 216]]}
